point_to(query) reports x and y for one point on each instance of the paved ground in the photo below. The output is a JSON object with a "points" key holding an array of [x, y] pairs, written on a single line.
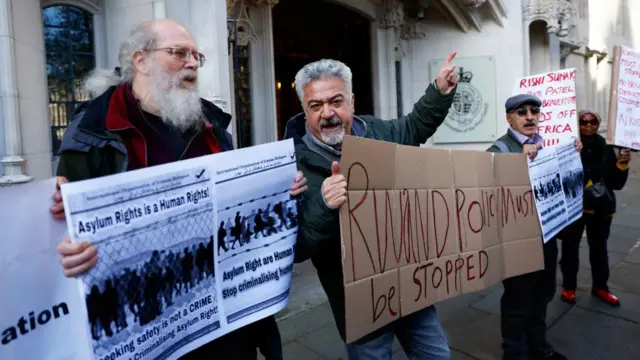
{"points": [[589, 330]]}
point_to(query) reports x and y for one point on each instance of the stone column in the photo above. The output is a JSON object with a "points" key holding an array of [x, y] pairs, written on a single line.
{"points": [[12, 161], [386, 35], [384, 72], [122, 16], [100, 40], [411, 66], [554, 52], [159, 9], [208, 23], [575, 58], [262, 67]]}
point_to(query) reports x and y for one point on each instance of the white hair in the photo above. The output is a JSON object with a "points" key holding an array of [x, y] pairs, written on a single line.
{"points": [[322, 69], [99, 80], [178, 107]]}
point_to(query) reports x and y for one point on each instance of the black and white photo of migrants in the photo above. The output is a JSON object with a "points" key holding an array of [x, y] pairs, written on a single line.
{"points": [[153, 290], [256, 233], [546, 184], [572, 174], [547, 188], [572, 183]]}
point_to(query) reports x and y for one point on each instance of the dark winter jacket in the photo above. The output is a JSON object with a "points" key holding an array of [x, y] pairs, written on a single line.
{"points": [[319, 231], [600, 163], [89, 149]]}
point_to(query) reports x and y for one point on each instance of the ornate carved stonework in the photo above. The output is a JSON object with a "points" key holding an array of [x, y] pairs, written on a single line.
{"points": [[540, 10], [566, 49], [409, 31], [231, 5], [399, 50], [567, 16], [243, 28], [391, 14], [560, 15]]}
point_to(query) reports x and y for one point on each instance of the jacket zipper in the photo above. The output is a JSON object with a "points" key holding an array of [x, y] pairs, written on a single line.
{"points": [[146, 160], [188, 145]]}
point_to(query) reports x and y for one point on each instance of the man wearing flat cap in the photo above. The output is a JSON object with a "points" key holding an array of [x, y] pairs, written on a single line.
{"points": [[523, 307]]}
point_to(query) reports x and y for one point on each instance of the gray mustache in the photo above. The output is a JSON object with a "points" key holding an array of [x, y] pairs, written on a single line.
{"points": [[188, 75], [330, 122], [184, 75]]}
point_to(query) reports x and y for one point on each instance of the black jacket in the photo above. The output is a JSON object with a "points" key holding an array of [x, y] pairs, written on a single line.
{"points": [[600, 164], [89, 150]]}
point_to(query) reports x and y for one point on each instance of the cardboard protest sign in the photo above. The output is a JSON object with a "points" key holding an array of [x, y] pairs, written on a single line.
{"points": [[558, 113], [425, 225], [624, 103]]}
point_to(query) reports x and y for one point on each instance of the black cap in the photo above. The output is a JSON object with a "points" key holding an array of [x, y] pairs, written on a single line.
{"points": [[516, 101]]}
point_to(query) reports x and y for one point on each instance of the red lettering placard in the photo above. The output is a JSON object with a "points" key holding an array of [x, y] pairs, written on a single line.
{"points": [[557, 91], [425, 225], [624, 104]]}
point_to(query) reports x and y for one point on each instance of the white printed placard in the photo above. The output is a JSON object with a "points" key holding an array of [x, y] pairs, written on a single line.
{"points": [[557, 180], [188, 251], [43, 315], [558, 113]]}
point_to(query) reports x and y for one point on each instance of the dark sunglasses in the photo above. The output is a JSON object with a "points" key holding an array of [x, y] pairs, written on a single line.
{"points": [[523, 111], [592, 122]]}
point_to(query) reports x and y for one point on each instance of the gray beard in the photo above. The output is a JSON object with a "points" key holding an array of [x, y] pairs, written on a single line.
{"points": [[335, 137], [178, 107]]}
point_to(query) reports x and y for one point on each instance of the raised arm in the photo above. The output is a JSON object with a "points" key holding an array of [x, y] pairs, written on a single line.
{"points": [[617, 168], [428, 112]]}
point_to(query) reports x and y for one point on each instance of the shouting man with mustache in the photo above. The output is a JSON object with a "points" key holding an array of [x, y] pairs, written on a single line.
{"points": [[150, 113], [325, 92], [523, 307]]}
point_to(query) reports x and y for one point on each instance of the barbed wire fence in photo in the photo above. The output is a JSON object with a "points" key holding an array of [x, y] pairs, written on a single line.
{"points": [[260, 218], [148, 273]]}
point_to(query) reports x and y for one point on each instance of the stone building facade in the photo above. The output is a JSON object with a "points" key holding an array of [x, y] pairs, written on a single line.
{"points": [[253, 48]]}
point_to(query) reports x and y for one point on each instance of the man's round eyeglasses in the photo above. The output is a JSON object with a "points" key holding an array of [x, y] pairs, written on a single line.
{"points": [[183, 54]]}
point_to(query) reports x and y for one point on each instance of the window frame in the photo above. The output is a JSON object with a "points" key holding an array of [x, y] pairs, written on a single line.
{"points": [[62, 107]]}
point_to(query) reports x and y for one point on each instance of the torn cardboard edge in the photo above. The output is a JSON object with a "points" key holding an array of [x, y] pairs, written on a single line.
{"points": [[424, 225], [613, 95]]}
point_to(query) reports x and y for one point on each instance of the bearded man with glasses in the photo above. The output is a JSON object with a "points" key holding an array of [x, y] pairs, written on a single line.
{"points": [[146, 113], [523, 307]]}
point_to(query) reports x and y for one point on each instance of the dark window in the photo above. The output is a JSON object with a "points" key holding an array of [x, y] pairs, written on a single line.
{"points": [[243, 96], [68, 42]]}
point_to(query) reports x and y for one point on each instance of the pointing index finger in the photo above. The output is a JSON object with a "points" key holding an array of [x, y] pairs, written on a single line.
{"points": [[450, 58]]}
